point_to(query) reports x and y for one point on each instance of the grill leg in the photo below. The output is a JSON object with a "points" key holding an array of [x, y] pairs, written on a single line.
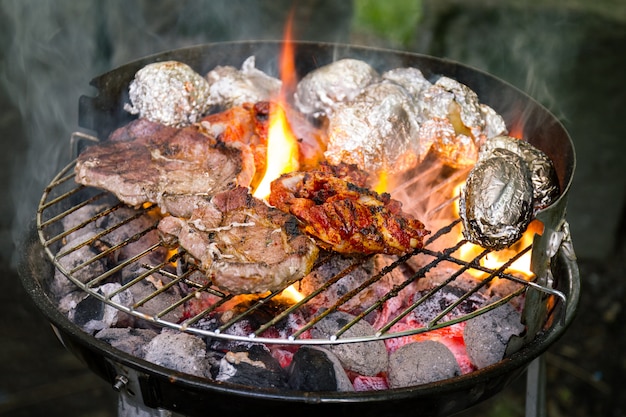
{"points": [[536, 388]]}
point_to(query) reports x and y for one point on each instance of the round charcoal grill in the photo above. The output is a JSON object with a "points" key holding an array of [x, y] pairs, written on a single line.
{"points": [[550, 298]]}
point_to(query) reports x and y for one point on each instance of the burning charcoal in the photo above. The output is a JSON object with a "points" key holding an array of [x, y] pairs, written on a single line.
{"points": [[179, 351], [230, 87], [253, 367], [317, 369], [60, 285], [377, 130], [82, 215], [127, 339], [92, 314], [486, 336], [421, 363], [496, 204], [327, 270], [159, 302], [365, 358], [321, 90], [543, 174], [170, 93], [435, 303]]}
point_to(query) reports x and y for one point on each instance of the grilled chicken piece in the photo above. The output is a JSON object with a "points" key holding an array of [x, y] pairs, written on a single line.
{"points": [[242, 244], [345, 217], [146, 161]]}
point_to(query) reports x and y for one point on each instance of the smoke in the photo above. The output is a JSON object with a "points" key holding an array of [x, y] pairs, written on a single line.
{"points": [[52, 49]]}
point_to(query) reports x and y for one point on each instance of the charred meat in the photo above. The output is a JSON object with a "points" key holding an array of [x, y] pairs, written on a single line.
{"points": [[345, 217], [242, 244], [146, 161]]}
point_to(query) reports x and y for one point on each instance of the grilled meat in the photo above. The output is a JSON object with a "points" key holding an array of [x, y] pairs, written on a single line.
{"points": [[146, 161], [345, 217], [242, 244]]}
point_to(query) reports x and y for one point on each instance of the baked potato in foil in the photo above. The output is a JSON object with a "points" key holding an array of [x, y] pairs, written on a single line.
{"points": [[543, 175], [168, 92], [323, 89], [455, 122], [377, 130], [496, 203], [230, 87]]}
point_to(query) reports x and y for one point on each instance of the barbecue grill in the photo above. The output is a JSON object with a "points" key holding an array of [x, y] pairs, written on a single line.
{"points": [[550, 298]]}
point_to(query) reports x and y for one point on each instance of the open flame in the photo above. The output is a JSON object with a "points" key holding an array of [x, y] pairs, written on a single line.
{"points": [[282, 144]]}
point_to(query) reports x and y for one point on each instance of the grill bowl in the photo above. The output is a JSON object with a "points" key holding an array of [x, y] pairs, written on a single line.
{"points": [[158, 387]]}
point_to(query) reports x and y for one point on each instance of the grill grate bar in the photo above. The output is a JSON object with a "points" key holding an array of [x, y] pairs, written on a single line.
{"points": [[426, 258]]}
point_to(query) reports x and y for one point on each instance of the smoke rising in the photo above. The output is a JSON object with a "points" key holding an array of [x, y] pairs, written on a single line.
{"points": [[51, 51]]}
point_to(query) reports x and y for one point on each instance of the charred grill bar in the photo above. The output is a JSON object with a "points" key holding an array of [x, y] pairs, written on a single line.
{"points": [[550, 300]]}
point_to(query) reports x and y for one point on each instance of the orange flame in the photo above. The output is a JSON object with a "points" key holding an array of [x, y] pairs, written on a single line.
{"points": [[282, 144]]}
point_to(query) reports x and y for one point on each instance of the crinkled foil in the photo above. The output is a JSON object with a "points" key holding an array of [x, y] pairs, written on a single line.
{"points": [[410, 78], [455, 122], [376, 131], [496, 203], [168, 92], [231, 87], [321, 90], [543, 175]]}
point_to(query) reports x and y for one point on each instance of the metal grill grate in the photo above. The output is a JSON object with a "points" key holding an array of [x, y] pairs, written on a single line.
{"points": [[63, 197]]}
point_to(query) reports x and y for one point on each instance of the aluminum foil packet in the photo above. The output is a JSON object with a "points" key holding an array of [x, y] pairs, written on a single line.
{"points": [[377, 130], [323, 89], [496, 203], [543, 174], [229, 86], [455, 122], [168, 92]]}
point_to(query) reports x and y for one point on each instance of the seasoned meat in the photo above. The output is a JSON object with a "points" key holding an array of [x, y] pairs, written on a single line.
{"points": [[344, 217], [242, 244], [145, 161]]}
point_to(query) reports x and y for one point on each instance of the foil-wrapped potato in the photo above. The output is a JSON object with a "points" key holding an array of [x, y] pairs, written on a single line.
{"points": [[496, 203], [543, 175], [324, 88], [377, 130], [455, 122], [230, 87], [168, 92]]}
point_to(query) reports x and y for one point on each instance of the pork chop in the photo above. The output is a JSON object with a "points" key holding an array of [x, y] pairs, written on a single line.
{"points": [[146, 161], [243, 245]]}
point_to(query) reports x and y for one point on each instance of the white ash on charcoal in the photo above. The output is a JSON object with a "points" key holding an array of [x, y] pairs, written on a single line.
{"points": [[60, 285], [253, 366], [127, 339], [179, 351], [435, 303], [420, 363], [168, 92], [487, 335], [151, 287], [365, 358], [92, 314], [82, 219], [230, 87], [317, 369], [321, 90], [335, 265]]}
